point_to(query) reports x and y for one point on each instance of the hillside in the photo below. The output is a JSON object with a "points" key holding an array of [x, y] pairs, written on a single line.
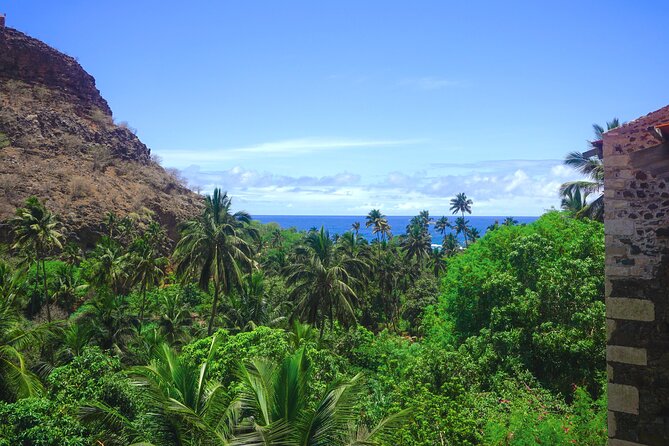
{"points": [[58, 141]]}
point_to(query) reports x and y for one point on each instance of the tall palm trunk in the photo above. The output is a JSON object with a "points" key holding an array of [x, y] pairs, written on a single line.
{"points": [[46, 292], [141, 311], [214, 307], [465, 233]]}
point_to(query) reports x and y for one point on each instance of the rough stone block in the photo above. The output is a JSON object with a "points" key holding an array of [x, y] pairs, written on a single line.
{"points": [[626, 355], [630, 309], [610, 328], [623, 398], [612, 423], [619, 227]]}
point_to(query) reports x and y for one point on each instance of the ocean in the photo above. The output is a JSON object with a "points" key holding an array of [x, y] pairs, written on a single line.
{"points": [[340, 224]]}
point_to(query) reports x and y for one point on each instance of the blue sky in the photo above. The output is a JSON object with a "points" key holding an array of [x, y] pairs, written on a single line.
{"points": [[302, 107]]}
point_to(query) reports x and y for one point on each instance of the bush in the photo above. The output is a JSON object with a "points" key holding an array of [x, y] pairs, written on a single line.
{"points": [[263, 342], [102, 158], [39, 422], [4, 141], [80, 187], [532, 297]]}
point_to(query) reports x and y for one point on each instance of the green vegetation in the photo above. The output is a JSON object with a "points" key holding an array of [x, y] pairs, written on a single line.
{"points": [[248, 334], [575, 193]]}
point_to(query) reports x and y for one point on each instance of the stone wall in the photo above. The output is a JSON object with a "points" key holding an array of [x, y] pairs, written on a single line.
{"points": [[636, 160]]}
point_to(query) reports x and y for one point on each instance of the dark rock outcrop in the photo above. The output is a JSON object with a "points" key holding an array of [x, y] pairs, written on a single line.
{"points": [[58, 141]]}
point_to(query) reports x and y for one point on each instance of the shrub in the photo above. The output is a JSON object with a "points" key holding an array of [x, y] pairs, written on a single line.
{"points": [[4, 141], [39, 422], [101, 118], [80, 187], [102, 158]]}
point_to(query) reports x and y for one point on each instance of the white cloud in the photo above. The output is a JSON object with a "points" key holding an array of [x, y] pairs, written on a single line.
{"points": [[284, 148], [519, 178], [507, 187]]}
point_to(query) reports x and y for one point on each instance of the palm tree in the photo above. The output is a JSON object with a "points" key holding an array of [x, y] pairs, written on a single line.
{"points": [[438, 261], [249, 307], [323, 281], [277, 397], [175, 318], [10, 282], [592, 168], [425, 218], [462, 227], [36, 234], [72, 254], [510, 221], [493, 226], [111, 222], [450, 245], [573, 201], [68, 287], [106, 315], [277, 238], [442, 225], [184, 400], [384, 229], [213, 248], [16, 379], [75, 337], [461, 204], [147, 268], [355, 227], [379, 224], [109, 266], [416, 243], [473, 234]]}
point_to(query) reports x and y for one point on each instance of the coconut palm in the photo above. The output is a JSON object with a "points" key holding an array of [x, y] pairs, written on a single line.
{"points": [[276, 238], [16, 379], [109, 267], [108, 319], [175, 318], [510, 221], [462, 227], [323, 281], [424, 217], [460, 203], [573, 201], [473, 234], [442, 225], [416, 243], [72, 254], [277, 396], [147, 267], [10, 282], [379, 224], [493, 226], [384, 229], [592, 168], [187, 404], [214, 248], [355, 227], [450, 245], [249, 307], [36, 234], [74, 338], [437, 261], [68, 287]]}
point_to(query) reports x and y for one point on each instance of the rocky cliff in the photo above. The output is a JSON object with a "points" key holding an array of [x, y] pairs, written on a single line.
{"points": [[58, 141]]}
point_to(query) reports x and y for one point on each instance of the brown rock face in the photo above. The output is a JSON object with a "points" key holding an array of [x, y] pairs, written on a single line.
{"points": [[58, 141]]}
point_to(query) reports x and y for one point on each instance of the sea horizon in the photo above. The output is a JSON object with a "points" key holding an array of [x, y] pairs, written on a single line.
{"points": [[339, 224]]}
